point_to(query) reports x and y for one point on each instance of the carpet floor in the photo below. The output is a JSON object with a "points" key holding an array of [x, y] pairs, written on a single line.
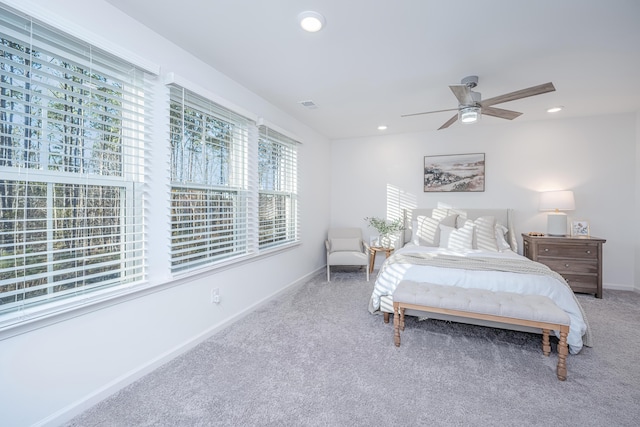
{"points": [[314, 356]]}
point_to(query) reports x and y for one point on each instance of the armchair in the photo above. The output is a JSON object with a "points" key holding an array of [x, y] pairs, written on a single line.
{"points": [[346, 247]]}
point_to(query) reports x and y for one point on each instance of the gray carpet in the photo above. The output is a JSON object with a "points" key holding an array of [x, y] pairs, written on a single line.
{"points": [[316, 357]]}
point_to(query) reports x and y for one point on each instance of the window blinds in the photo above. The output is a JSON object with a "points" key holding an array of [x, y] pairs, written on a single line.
{"points": [[210, 174], [278, 188], [73, 126]]}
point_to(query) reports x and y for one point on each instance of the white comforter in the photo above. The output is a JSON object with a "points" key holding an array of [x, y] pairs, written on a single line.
{"points": [[392, 273]]}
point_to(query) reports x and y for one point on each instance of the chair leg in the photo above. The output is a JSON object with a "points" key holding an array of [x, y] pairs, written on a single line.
{"points": [[328, 273]]}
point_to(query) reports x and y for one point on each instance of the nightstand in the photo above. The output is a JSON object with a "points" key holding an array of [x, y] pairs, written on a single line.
{"points": [[374, 250], [577, 259]]}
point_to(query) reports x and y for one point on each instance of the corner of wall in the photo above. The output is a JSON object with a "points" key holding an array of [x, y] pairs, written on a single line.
{"points": [[636, 273]]}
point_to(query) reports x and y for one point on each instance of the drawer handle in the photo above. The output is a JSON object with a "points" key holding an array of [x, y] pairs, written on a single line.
{"points": [[588, 251], [546, 249], [566, 265]]}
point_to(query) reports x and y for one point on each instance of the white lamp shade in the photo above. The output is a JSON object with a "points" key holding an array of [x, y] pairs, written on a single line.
{"points": [[557, 201]]}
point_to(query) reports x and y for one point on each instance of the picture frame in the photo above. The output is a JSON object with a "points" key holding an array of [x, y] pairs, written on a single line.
{"points": [[454, 173], [580, 228]]}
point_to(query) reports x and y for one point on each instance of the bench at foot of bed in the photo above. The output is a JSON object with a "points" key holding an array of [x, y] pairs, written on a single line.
{"points": [[534, 311]]}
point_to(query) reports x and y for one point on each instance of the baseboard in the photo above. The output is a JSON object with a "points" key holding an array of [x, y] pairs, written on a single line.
{"points": [[619, 287], [70, 411]]}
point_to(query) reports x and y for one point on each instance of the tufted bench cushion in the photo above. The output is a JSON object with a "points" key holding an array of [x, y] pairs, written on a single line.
{"points": [[504, 307], [482, 301]]}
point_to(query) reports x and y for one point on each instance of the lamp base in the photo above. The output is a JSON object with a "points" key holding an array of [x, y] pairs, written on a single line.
{"points": [[557, 224]]}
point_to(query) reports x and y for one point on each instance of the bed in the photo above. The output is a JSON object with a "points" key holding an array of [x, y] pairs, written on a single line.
{"points": [[472, 248]]}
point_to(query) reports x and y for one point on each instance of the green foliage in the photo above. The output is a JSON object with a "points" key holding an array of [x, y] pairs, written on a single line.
{"points": [[383, 226]]}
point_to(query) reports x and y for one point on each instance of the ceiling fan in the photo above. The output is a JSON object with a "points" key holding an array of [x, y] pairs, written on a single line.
{"points": [[470, 104]]}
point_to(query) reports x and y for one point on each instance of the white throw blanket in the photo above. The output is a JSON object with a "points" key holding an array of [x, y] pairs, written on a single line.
{"points": [[496, 271]]}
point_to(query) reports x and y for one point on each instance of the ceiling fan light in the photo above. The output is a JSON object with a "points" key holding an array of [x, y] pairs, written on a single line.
{"points": [[469, 114]]}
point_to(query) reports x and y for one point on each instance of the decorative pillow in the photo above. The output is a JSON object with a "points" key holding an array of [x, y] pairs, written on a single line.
{"points": [[457, 238], [485, 234], [501, 238], [426, 231], [445, 235], [348, 244], [462, 217], [439, 213]]}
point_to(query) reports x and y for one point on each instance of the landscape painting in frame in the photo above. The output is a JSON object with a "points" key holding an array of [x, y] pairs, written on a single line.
{"points": [[455, 172]]}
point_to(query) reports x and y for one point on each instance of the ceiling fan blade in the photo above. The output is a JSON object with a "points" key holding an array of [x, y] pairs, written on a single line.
{"points": [[500, 113], [428, 112], [523, 93], [449, 122], [463, 93]]}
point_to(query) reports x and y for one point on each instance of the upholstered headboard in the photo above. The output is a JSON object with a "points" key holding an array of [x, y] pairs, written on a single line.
{"points": [[503, 216]]}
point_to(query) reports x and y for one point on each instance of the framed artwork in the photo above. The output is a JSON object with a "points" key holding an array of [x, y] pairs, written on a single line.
{"points": [[454, 172], [580, 228]]}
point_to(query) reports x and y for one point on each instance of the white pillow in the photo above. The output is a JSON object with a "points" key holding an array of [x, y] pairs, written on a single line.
{"points": [[445, 234], [485, 234], [501, 234], [439, 213], [426, 231], [457, 239], [348, 244]]}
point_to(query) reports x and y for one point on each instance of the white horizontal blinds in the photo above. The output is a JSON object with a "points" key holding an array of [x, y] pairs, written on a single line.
{"points": [[72, 133], [209, 181], [277, 188]]}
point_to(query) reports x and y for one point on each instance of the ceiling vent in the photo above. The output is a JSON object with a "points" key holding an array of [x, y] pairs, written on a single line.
{"points": [[309, 104]]}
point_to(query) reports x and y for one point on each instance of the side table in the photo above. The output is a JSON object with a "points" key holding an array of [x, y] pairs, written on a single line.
{"points": [[373, 251]]}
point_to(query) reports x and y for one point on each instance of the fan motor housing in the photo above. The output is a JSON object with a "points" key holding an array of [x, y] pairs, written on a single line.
{"points": [[470, 81]]}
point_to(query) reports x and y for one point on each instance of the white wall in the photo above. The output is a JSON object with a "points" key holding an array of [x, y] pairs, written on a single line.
{"points": [[595, 157], [637, 206], [49, 374]]}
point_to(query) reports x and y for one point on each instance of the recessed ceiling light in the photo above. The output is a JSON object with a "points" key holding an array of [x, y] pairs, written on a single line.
{"points": [[382, 127], [555, 109], [311, 21]]}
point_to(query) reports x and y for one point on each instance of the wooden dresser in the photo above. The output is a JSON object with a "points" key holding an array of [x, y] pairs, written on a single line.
{"points": [[577, 259]]}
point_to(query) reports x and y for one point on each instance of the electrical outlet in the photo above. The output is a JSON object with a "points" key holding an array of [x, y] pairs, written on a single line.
{"points": [[215, 296]]}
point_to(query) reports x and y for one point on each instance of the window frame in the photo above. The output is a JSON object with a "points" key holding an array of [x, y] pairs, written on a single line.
{"points": [[278, 182], [217, 246], [51, 59]]}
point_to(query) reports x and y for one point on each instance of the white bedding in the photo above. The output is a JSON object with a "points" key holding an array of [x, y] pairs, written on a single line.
{"points": [[392, 273]]}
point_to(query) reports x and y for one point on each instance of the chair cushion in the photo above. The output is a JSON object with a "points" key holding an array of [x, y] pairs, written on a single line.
{"points": [[347, 258], [345, 244]]}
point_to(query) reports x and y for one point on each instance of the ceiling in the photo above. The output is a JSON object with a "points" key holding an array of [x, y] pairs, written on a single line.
{"points": [[376, 60]]}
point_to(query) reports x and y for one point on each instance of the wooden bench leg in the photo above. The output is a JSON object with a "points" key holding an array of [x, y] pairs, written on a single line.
{"points": [[396, 325], [546, 347], [386, 317], [563, 351]]}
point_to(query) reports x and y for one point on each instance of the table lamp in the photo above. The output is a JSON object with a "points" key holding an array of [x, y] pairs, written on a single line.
{"points": [[557, 201]]}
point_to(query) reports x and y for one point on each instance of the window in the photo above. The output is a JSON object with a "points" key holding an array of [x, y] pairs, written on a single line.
{"points": [[277, 186], [72, 133], [210, 215]]}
